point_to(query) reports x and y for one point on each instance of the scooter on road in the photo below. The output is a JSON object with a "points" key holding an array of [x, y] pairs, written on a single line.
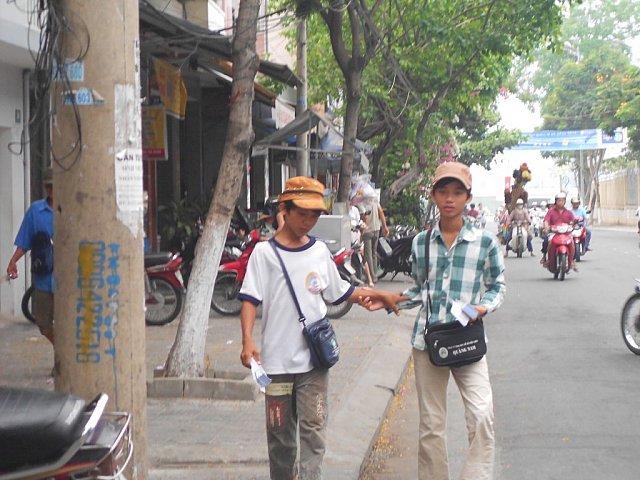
{"points": [[630, 321], [579, 235], [560, 250], [519, 238]]}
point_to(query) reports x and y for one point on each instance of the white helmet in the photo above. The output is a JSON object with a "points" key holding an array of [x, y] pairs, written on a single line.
{"points": [[543, 204], [561, 196], [575, 200], [534, 204], [519, 202]]}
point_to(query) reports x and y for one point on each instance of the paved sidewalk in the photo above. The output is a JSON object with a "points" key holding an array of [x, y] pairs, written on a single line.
{"points": [[204, 439]]}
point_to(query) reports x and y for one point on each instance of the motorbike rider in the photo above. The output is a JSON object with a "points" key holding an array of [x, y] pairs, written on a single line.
{"points": [[472, 212], [520, 214], [557, 215], [482, 215], [578, 212]]}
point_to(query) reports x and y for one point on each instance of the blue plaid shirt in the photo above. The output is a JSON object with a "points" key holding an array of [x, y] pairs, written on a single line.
{"points": [[459, 273]]}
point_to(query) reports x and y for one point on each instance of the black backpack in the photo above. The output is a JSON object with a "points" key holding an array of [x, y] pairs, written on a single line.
{"points": [[41, 253]]}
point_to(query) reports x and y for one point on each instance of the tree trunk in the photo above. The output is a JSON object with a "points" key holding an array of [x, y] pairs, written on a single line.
{"points": [[350, 132], [186, 358], [594, 169]]}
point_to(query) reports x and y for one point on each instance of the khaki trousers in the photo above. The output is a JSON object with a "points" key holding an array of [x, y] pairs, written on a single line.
{"points": [[475, 389]]}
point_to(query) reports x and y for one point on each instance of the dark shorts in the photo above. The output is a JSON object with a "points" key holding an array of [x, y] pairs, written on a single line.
{"points": [[43, 311]]}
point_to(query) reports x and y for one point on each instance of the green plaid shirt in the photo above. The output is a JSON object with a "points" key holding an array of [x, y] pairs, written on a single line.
{"points": [[459, 273]]}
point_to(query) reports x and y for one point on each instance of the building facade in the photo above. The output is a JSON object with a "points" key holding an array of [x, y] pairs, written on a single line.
{"points": [[18, 33]]}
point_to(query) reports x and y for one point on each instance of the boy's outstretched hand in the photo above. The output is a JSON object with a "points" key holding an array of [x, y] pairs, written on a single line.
{"points": [[376, 299]]}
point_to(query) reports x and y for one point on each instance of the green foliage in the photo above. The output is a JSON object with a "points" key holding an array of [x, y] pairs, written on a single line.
{"points": [[178, 219], [622, 162], [457, 54], [484, 150], [602, 91], [274, 86], [432, 86], [588, 25]]}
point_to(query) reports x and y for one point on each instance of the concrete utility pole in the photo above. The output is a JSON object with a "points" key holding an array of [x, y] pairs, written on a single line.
{"points": [[302, 154], [97, 163]]}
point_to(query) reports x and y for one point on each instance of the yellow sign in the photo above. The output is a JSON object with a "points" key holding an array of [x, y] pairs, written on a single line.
{"points": [[172, 90], [154, 133]]}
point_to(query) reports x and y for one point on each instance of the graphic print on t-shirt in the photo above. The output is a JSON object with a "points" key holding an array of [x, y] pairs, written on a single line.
{"points": [[312, 283]]}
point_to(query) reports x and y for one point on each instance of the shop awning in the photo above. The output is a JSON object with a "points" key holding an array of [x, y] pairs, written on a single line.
{"points": [[301, 124], [330, 143], [184, 36]]}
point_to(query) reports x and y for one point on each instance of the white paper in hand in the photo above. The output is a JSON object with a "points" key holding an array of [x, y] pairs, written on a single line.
{"points": [[456, 311], [259, 375]]}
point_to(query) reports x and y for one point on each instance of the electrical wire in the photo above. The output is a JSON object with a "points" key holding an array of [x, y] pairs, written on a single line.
{"points": [[52, 85]]}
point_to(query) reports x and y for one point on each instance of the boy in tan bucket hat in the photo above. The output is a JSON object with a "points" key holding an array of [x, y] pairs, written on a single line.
{"points": [[296, 400]]}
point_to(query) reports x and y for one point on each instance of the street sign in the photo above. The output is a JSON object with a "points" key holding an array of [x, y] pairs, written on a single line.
{"points": [[567, 140]]}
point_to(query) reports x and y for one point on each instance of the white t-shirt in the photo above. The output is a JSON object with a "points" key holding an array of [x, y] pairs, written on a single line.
{"points": [[374, 223], [312, 272]]}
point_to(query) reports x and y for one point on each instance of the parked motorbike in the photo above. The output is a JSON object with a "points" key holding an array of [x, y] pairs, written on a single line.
{"points": [[519, 238], [559, 250], [395, 256], [52, 435], [579, 235], [163, 287], [630, 321], [230, 277], [400, 231]]}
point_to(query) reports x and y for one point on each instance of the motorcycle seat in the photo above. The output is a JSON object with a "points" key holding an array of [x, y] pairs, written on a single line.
{"points": [[153, 259], [37, 426]]}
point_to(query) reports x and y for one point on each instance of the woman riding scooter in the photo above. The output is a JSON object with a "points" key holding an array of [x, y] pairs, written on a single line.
{"points": [[519, 214], [557, 215]]}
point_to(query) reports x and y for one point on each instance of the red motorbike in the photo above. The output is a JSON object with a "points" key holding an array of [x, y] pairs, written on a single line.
{"points": [[560, 250], [230, 277], [163, 287], [579, 238]]}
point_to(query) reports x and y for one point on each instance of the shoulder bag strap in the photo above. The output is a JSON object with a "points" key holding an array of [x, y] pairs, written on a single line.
{"points": [[301, 317], [426, 268]]}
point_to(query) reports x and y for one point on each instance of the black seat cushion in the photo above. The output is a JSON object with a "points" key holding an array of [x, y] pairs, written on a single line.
{"points": [[37, 426]]}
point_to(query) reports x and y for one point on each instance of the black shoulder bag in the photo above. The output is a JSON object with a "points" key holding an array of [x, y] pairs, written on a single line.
{"points": [[451, 344], [320, 336], [41, 253]]}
